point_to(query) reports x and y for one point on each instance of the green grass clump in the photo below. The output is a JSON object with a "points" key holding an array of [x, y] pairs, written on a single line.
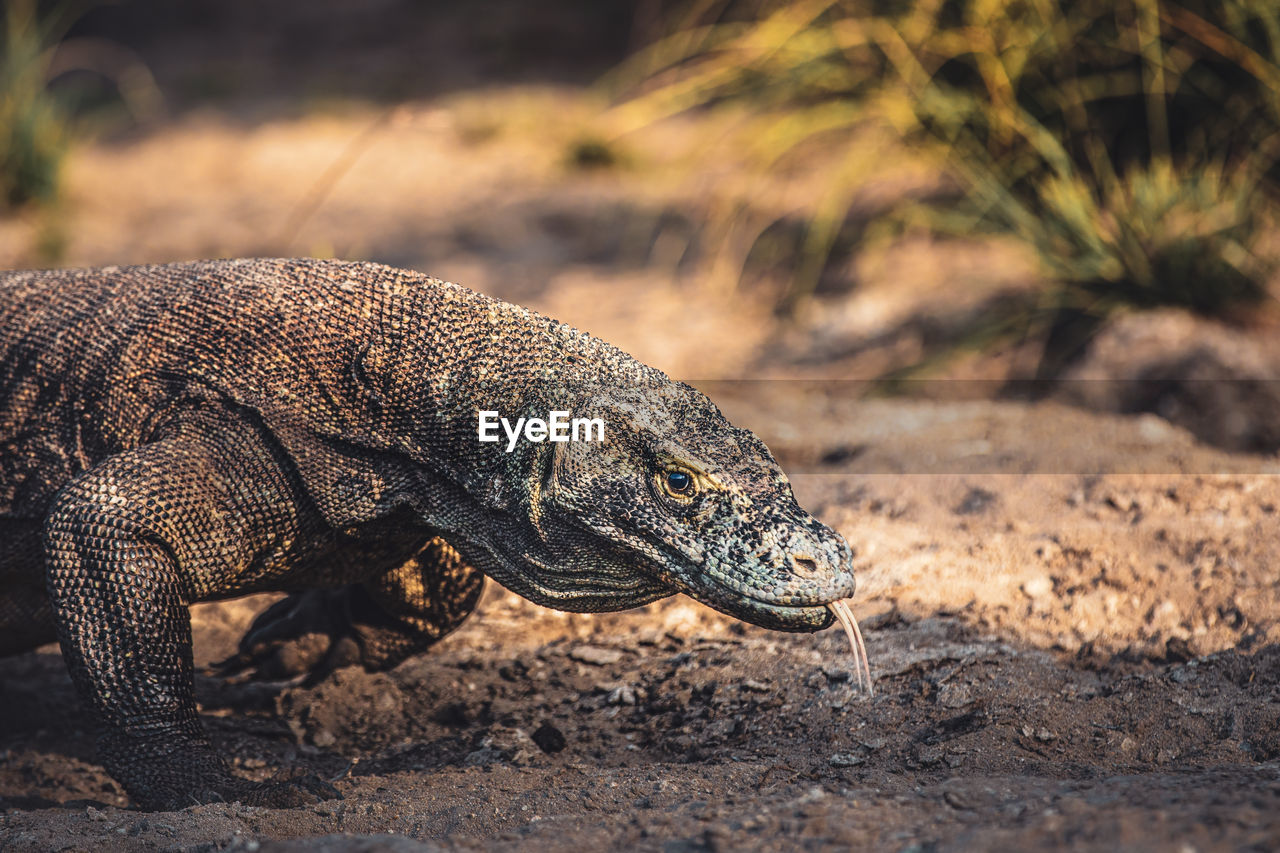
{"points": [[34, 133], [1132, 144]]}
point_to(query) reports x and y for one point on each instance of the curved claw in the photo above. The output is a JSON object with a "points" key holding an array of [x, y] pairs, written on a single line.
{"points": [[284, 619], [306, 790], [304, 634]]}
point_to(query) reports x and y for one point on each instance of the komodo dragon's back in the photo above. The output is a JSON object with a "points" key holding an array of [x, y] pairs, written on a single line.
{"points": [[93, 360], [98, 361], [179, 433]]}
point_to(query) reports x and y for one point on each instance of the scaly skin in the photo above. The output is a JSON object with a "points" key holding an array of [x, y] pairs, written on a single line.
{"points": [[190, 432]]}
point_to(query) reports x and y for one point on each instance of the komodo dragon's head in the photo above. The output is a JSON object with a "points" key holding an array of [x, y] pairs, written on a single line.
{"points": [[677, 499]]}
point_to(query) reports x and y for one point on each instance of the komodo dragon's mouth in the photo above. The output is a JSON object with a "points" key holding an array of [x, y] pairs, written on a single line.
{"points": [[808, 616], [778, 617]]}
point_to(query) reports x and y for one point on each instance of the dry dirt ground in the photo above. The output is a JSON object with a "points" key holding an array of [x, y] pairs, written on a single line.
{"points": [[1070, 615]]}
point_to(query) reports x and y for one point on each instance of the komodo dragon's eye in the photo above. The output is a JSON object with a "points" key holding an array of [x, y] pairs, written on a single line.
{"points": [[679, 484]]}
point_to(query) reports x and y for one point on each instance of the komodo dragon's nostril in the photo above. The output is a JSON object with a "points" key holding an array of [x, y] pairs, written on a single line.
{"points": [[805, 565]]}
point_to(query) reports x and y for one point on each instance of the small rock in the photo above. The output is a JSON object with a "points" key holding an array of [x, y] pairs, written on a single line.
{"points": [[624, 695], [1128, 744], [813, 795], [845, 759], [549, 738], [482, 757], [501, 743], [955, 696], [595, 655], [649, 637], [721, 728], [756, 686], [1038, 587]]}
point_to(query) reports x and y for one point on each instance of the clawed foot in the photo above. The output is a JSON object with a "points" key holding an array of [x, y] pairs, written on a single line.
{"points": [[164, 773], [305, 790], [308, 633], [296, 792]]}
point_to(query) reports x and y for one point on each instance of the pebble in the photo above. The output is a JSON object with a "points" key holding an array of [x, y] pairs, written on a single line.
{"points": [[1038, 586], [1040, 734], [549, 738], [624, 695], [845, 759], [649, 637], [595, 655], [502, 743], [955, 695]]}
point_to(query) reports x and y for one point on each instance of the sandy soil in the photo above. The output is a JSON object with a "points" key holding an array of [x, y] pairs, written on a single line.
{"points": [[1070, 614]]}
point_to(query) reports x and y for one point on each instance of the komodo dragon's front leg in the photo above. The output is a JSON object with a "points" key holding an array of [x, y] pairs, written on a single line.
{"points": [[130, 544], [375, 624]]}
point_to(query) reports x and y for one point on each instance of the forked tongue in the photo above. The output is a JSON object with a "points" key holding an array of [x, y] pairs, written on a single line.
{"points": [[861, 665]]}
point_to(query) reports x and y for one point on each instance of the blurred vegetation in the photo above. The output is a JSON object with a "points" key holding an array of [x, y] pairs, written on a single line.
{"points": [[53, 90], [1132, 145], [34, 132], [589, 151]]}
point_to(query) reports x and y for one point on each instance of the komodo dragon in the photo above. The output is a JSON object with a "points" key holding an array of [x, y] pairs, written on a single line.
{"points": [[193, 432]]}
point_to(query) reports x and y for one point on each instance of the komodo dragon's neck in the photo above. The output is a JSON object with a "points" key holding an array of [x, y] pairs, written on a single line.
{"points": [[389, 379]]}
